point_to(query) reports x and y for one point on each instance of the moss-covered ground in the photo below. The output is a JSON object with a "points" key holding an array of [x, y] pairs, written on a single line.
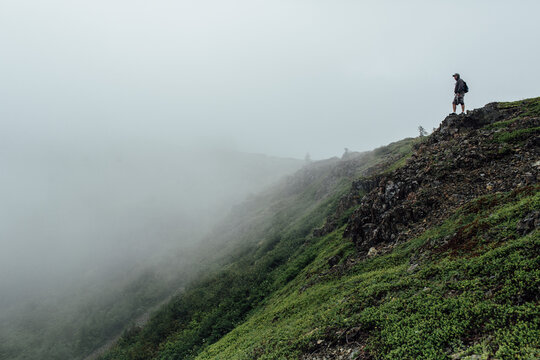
{"points": [[467, 287], [526, 107], [268, 243]]}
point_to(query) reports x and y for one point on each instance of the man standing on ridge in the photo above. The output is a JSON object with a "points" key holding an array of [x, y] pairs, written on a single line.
{"points": [[459, 92]]}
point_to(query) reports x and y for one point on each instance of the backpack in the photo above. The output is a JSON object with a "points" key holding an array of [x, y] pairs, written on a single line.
{"points": [[465, 87]]}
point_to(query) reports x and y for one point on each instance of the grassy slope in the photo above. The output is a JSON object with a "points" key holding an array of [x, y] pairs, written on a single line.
{"points": [[265, 240], [475, 300], [474, 297], [429, 298]]}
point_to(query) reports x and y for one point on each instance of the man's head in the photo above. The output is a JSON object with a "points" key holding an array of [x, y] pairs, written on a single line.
{"points": [[456, 76]]}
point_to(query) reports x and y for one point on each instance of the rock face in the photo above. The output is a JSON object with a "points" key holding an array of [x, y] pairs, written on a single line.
{"points": [[358, 189], [485, 151]]}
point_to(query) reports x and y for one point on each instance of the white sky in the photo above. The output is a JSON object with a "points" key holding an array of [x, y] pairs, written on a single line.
{"points": [[276, 77]]}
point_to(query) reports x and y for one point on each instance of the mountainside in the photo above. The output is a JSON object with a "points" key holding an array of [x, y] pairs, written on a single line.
{"points": [[107, 235], [424, 249]]}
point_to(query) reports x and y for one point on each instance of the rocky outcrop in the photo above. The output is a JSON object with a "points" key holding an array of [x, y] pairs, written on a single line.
{"points": [[358, 189], [466, 157], [474, 119]]}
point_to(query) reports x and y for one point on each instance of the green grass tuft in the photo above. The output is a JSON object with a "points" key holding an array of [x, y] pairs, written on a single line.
{"points": [[528, 107], [516, 135]]}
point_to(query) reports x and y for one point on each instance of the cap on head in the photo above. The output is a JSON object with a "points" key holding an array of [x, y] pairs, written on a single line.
{"points": [[456, 74]]}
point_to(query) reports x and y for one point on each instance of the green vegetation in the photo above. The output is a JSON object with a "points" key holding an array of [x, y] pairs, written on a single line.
{"points": [[220, 301], [470, 295], [501, 124], [508, 132], [100, 316], [466, 288], [516, 135], [527, 107], [399, 151], [269, 244], [398, 148]]}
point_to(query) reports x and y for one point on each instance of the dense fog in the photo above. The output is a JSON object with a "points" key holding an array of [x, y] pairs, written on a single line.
{"points": [[90, 211], [94, 235]]}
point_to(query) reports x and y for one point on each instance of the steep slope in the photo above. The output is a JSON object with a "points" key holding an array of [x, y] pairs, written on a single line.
{"points": [[431, 255], [252, 254]]}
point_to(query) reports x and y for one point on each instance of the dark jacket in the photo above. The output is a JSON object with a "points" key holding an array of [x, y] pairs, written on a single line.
{"points": [[460, 87]]}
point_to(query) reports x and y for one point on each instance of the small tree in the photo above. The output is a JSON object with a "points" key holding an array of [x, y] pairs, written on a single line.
{"points": [[307, 159], [422, 131]]}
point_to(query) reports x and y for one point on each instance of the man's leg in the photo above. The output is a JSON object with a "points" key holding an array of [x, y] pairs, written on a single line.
{"points": [[462, 108], [454, 107]]}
